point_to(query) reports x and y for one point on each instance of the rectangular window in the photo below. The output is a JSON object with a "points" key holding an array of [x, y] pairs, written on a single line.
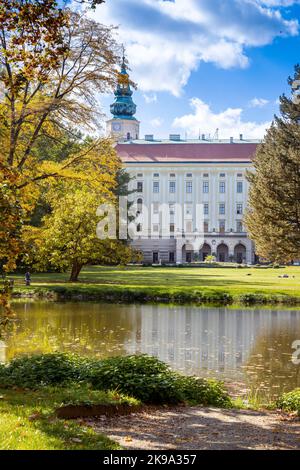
{"points": [[205, 187], [189, 187], [222, 226], [205, 175], [222, 187], [205, 228], [156, 175], [240, 175], [172, 209], [222, 209], [155, 228], [172, 187], [139, 227], [239, 209], [172, 175], [222, 175], [156, 186], [172, 257], [172, 228], [139, 186], [189, 175], [140, 175], [239, 187], [155, 206], [206, 209]]}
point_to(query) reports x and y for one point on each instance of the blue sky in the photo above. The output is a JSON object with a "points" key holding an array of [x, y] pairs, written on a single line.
{"points": [[206, 64]]}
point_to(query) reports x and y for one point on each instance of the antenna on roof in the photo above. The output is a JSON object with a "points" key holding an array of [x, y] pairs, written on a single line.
{"points": [[216, 134]]}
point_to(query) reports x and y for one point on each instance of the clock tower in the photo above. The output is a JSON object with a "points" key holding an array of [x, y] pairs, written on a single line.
{"points": [[123, 126]]}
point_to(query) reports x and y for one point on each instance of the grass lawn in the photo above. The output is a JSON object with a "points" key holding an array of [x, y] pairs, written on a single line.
{"points": [[27, 421], [159, 281]]}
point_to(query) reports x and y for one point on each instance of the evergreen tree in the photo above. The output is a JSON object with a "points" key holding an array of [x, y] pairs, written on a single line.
{"points": [[273, 218]]}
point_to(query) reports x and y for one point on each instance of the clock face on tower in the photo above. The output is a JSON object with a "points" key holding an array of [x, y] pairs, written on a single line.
{"points": [[116, 126]]}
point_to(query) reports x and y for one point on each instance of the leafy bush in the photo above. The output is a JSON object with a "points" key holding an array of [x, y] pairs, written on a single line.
{"points": [[152, 381], [196, 391], [44, 369], [142, 377], [290, 401]]}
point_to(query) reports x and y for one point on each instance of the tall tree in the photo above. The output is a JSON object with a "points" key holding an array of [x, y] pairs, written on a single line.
{"points": [[52, 64], [273, 218]]}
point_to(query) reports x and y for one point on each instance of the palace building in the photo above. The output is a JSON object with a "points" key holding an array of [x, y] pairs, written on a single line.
{"points": [[187, 174]]}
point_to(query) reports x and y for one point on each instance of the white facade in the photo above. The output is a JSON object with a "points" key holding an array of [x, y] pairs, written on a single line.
{"points": [[205, 173], [222, 191]]}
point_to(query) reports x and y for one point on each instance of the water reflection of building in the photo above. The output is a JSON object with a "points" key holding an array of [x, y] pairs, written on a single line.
{"points": [[212, 340]]}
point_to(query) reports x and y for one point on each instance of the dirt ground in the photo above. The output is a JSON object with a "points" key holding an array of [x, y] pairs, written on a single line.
{"points": [[195, 428]]}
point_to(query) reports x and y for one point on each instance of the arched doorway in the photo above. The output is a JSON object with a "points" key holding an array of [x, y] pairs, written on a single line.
{"points": [[187, 253], [240, 253], [222, 253], [205, 252]]}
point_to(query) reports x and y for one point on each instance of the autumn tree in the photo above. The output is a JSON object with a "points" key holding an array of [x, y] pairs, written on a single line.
{"points": [[273, 219], [53, 62], [67, 240]]}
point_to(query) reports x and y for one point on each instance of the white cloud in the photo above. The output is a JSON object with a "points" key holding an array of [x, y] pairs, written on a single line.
{"points": [[151, 98], [258, 103], [166, 40], [156, 122], [230, 122]]}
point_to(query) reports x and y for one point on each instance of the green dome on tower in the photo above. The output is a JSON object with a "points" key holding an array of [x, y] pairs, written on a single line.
{"points": [[123, 107]]}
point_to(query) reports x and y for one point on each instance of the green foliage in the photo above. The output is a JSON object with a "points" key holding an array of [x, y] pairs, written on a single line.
{"points": [[152, 381], [43, 369], [206, 392], [272, 220], [290, 401], [142, 377]]}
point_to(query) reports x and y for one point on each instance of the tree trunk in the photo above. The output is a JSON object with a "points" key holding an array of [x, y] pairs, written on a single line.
{"points": [[76, 268]]}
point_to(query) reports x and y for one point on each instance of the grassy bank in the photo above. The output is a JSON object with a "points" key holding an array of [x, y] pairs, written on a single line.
{"points": [[28, 422], [34, 390], [217, 285]]}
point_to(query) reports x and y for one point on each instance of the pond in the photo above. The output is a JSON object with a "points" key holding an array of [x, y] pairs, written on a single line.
{"points": [[251, 347]]}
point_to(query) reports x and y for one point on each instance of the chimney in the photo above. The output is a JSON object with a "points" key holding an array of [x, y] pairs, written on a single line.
{"points": [[175, 137], [203, 137], [241, 137], [231, 140]]}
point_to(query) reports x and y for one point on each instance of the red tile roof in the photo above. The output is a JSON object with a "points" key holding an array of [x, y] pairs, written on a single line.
{"points": [[186, 152]]}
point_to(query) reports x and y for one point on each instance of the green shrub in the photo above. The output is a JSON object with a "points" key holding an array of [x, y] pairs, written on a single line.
{"points": [[290, 401], [249, 299], [142, 377], [152, 381], [44, 369], [196, 391]]}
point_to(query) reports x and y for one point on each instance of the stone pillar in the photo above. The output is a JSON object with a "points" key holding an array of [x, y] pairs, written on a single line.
{"points": [[179, 246], [249, 259]]}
